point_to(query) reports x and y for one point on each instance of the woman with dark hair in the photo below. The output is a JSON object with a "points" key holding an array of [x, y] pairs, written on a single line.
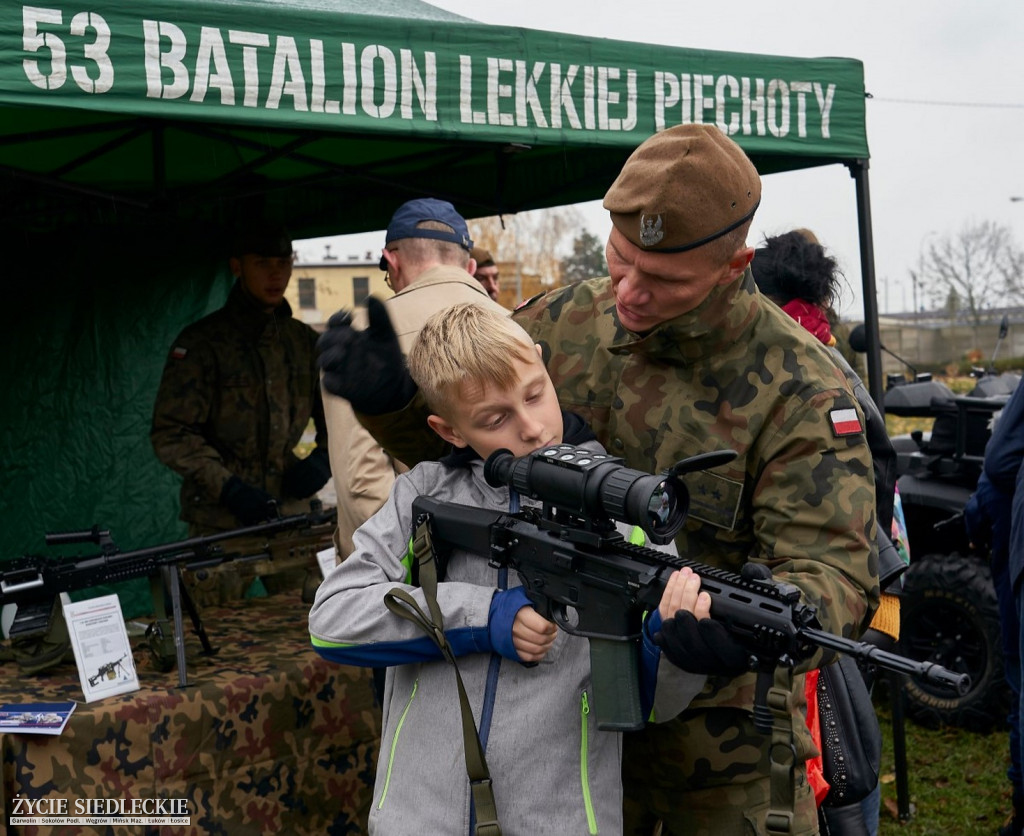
{"points": [[799, 277], [795, 272]]}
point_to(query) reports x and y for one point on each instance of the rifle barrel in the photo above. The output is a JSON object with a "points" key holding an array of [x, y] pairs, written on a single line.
{"points": [[933, 673], [89, 535]]}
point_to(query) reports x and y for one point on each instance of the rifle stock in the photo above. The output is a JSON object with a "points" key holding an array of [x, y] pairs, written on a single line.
{"points": [[599, 586]]}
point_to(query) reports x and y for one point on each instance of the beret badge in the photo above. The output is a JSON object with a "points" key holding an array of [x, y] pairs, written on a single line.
{"points": [[650, 230]]}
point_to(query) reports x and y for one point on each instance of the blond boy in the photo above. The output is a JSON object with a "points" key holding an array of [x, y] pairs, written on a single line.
{"points": [[552, 770]]}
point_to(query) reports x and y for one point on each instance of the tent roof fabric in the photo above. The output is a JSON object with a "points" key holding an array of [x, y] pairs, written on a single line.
{"points": [[312, 111], [380, 8], [133, 136]]}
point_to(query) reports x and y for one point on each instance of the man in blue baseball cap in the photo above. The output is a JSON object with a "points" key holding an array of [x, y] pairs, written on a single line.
{"points": [[424, 230], [427, 258]]}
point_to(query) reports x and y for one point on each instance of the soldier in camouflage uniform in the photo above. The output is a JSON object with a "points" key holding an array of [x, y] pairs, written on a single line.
{"points": [[676, 354], [237, 393]]}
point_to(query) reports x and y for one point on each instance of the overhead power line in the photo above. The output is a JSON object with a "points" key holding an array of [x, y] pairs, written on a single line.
{"points": [[933, 103]]}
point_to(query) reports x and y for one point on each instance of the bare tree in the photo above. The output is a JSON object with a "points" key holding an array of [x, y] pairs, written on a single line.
{"points": [[489, 233], [976, 270], [536, 242]]}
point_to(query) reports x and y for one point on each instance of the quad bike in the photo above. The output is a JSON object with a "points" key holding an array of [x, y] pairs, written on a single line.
{"points": [[949, 612]]}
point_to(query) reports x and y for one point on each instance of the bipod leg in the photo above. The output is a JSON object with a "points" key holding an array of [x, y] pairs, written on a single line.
{"points": [[171, 582], [197, 622]]}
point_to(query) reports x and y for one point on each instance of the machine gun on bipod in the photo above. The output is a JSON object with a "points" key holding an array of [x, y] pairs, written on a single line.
{"points": [[34, 582]]}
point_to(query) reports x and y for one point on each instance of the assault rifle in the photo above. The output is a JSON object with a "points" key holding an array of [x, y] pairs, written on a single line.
{"points": [[33, 582], [580, 573]]}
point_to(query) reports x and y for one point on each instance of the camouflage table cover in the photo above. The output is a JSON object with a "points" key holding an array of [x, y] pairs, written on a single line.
{"points": [[267, 738]]}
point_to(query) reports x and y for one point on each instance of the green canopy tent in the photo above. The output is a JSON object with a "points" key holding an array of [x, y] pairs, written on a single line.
{"points": [[133, 136]]}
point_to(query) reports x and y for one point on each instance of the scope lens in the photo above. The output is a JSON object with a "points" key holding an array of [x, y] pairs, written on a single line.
{"points": [[661, 504], [594, 486]]}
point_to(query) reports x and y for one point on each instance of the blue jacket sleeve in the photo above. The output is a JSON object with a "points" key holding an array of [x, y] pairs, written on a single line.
{"points": [[504, 606], [349, 622], [1005, 449], [410, 651], [650, 658], [987, 517]]}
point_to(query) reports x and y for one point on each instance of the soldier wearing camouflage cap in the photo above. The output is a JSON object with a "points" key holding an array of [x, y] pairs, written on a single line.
{"points": [[486, 271], [238, 390], [676, 353]]}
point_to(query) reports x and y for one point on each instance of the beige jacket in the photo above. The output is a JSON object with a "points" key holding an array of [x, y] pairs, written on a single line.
{"points": [[363, 473]]}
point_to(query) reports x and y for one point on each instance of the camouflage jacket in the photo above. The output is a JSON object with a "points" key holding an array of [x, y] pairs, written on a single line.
{"points": [[734, 373], [237, 393]]}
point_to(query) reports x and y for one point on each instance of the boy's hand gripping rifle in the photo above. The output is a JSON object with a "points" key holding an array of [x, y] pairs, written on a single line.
{"points": [[581, 574]]}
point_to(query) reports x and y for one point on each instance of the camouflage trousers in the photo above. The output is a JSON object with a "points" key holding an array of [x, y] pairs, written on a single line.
{"points": [[705, 774]]}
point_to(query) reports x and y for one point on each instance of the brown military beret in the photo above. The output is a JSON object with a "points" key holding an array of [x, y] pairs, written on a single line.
{"points": [[682, 188], [482, 257]]}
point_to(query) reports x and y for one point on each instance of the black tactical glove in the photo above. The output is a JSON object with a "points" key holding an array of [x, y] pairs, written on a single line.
{"points": [[307, 476], [367, 368], [251, 505], [706, 646], [703, 646]]}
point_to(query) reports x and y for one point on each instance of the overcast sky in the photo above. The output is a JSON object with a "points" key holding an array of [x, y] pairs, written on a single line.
{"points": [[945, 125]]}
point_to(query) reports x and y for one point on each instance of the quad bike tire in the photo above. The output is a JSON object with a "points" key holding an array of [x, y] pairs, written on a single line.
{"points": [[949, 615]]}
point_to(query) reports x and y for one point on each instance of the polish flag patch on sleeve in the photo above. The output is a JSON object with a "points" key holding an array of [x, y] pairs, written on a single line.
{"points": [[845, 422], [178, 352]]}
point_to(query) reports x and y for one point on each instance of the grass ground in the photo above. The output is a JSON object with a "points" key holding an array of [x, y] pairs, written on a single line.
{"points": [[957, 779]]}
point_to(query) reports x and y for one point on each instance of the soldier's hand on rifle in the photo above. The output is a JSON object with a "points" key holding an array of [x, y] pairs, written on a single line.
{"points": [[307, 476], [697, 643], [251, 505], [367, 368], [701, 646]]}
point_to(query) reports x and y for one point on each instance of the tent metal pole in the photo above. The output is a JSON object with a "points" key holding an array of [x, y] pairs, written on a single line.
{"points": [[859, 173]]}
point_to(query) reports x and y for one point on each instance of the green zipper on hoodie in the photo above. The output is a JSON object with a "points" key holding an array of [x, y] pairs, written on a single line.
{"points": [[588, 802], [394, 744]]}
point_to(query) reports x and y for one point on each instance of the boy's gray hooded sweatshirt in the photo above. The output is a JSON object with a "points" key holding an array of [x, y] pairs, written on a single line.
{"points": [[552, 770]]}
